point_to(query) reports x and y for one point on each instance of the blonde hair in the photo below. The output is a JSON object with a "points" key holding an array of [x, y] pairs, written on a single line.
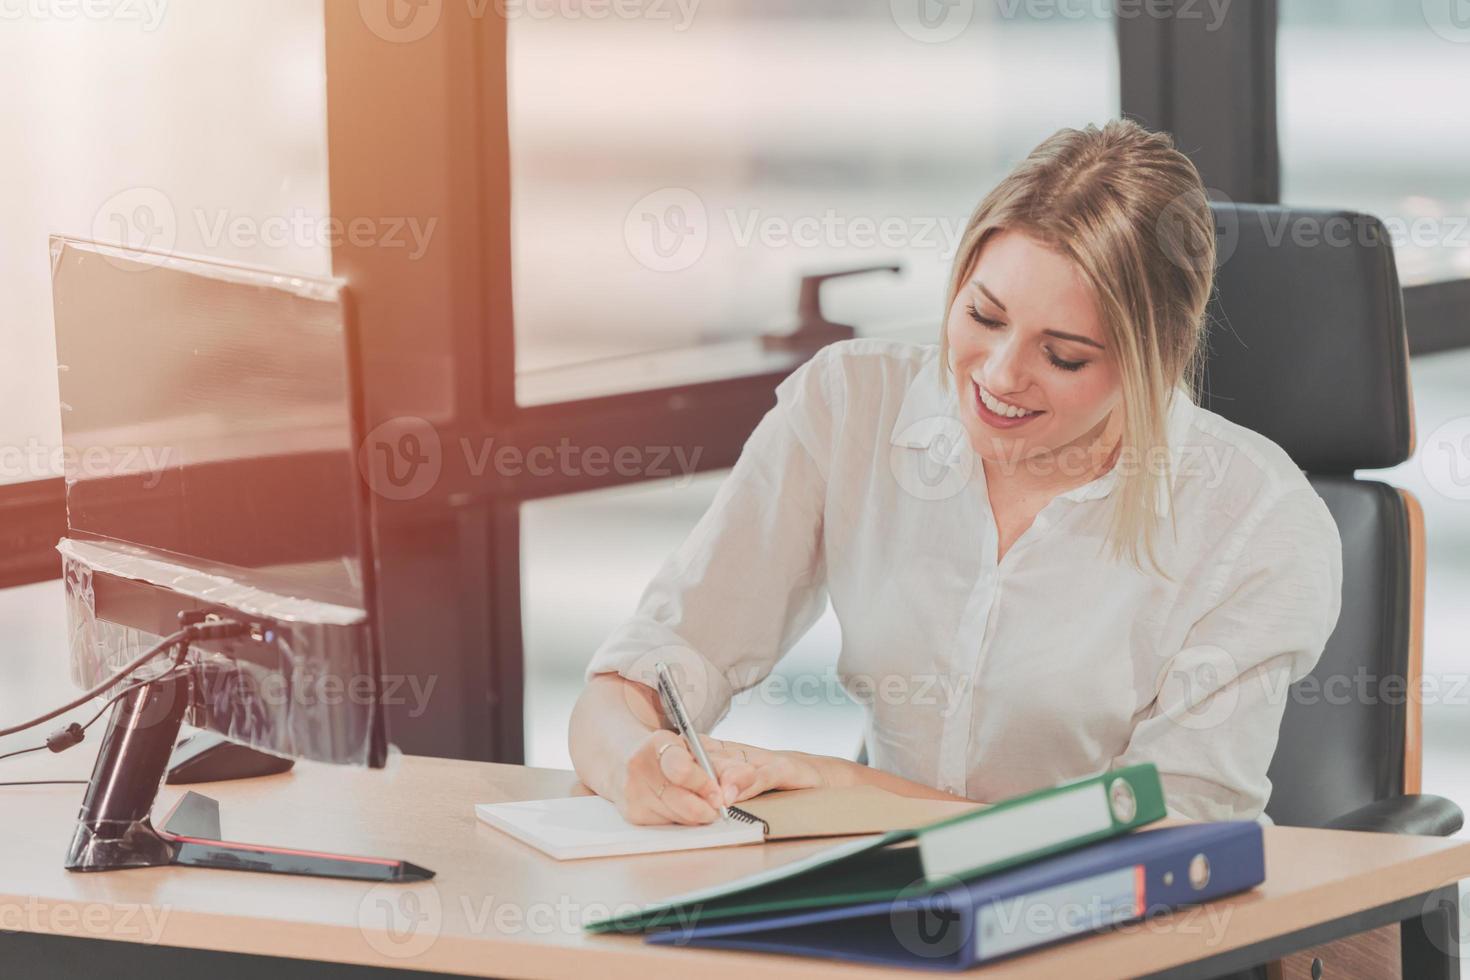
{"points": [[1131, 213]]}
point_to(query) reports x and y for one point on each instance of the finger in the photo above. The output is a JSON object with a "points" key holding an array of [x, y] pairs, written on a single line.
{"points": [[641, 802], [661, 802], [662, 783], [678, 766], [748, 781], [687, 807]]}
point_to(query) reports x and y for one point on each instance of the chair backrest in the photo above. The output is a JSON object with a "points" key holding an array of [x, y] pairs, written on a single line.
{"points": [[1307, 346]]}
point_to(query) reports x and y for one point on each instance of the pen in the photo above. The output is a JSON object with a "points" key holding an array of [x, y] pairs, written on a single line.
{"points": [[675, 707]]}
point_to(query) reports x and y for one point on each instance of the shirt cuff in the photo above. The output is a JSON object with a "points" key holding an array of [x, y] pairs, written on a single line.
{"points": [[636, 647]]}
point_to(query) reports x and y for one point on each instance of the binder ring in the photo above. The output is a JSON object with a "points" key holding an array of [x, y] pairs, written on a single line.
{"points": [[1122, 801]]}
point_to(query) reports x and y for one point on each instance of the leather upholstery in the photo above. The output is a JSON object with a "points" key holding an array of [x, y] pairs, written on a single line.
{"points": [[1306, 335], [1306, 345], [1342, 734], [1432, 816]]}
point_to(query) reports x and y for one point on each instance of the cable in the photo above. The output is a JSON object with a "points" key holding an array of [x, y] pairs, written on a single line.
{"points": [[64, 738], [211, 630]]}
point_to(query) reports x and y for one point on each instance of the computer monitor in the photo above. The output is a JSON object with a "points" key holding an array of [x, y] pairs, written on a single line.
{"points": [[211, 415]]}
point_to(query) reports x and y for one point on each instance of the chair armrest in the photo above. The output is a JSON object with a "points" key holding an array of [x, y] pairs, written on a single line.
{"points": [[1432, 816]]}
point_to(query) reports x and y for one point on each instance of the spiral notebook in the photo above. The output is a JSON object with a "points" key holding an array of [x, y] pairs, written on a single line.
{"points": [[590, 826]]}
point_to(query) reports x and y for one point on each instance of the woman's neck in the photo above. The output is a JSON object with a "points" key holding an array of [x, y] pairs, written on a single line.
{"points": [[1065, 468]]}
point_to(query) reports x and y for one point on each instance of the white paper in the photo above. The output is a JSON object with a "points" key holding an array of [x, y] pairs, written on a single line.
{"points": [[590, 826]]}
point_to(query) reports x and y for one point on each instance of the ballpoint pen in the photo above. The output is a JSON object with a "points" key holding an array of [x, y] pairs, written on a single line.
{"points": [[674, 707]]}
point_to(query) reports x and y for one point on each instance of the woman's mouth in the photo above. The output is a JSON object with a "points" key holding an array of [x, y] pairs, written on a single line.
{"points": [[998, 414]]}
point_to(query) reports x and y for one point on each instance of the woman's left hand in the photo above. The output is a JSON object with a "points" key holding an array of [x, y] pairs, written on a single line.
{"points": [[748, 770]]}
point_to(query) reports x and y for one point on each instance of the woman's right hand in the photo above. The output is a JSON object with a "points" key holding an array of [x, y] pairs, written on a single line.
{"points": [[663, 783]]}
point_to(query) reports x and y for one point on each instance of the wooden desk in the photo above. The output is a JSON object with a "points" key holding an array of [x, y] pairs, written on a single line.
{"points": [[500, 908]]}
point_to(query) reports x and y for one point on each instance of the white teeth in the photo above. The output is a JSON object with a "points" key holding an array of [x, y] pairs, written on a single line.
{"points": [[999, 407]]}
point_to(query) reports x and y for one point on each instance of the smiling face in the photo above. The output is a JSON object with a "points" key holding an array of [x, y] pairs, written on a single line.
{"points": [[1027, 353]]}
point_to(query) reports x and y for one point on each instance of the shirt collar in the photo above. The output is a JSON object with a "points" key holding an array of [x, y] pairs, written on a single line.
{"points": [[1180, 415], [929, 418]]}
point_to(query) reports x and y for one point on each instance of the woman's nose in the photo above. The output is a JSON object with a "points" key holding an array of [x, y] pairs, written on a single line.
{"points": [[1004, 371]]}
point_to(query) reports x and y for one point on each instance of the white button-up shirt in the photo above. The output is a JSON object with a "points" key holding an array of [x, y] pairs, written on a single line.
{"points": [[983, 678]]}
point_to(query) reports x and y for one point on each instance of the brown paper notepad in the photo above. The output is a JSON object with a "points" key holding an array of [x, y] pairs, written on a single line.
{"points": [[843, 811]]}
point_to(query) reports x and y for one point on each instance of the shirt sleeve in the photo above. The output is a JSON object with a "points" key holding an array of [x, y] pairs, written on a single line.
{"points": [[750, 578], [1214, 725]]}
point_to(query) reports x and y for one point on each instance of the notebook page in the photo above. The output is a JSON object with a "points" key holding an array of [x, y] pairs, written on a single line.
{"points": [[590, 826]]}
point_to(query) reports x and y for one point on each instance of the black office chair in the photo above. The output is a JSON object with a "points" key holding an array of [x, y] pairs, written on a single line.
{"points": [[1306, 345]]}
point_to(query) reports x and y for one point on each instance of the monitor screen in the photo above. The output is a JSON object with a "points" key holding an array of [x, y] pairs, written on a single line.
{"points": [[209, 420]]}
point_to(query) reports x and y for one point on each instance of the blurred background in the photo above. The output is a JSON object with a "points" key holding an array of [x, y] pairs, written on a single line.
{"points": [[671, 180]]}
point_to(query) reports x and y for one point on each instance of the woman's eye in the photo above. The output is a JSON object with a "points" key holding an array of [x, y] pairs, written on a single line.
{"points": [[1065, 365], [990, 324], [984, 321]]}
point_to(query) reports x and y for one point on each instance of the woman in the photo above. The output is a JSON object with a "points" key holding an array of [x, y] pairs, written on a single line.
{"points": [[1046, 560]]}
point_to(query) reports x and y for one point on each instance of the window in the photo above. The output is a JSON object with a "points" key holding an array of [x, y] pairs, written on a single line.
{"points": [[673, 178], [1369, 119], [588, 558], [201, 131]]}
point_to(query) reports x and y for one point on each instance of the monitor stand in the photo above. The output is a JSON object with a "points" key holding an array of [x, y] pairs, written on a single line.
{"points": [[115, 829], [207, 757]]}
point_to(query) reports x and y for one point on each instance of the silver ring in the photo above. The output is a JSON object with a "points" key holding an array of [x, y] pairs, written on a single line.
{"points": [[658, 756], [660, 791]]}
